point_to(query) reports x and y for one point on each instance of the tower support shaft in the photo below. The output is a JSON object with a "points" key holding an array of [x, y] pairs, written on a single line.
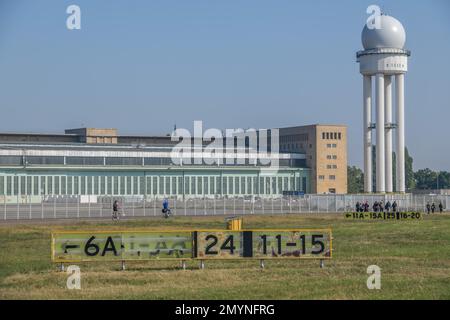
{"points": [[388, 131], [400, 154], [380, 150], [367, 140]]}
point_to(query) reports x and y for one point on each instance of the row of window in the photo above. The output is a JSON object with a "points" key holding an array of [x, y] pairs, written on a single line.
{"points": [[331, 177], [331, 145], [127, 161], [331, 166], [293, 147], [331, 135], [294, 137], [156, 185], [332, 157]]}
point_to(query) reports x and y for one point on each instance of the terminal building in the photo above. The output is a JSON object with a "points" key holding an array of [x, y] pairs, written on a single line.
{"points": [[92, 161]]}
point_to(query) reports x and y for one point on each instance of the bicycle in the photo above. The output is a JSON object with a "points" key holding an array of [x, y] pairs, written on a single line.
{"points": [[167, 213]]}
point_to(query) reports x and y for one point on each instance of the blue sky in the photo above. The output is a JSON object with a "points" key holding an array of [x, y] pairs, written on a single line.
{"points": [[141, 66]]}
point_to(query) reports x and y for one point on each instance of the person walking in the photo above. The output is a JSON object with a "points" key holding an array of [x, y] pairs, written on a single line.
{"points": [[375, 206], [115, 213], [387, 206], [441, 207], [433, 207], [428, 208], [358, 207], [394, 206], [366, 206]]}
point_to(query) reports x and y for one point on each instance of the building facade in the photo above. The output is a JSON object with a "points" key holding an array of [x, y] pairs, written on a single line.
{"points": [[325, 150]]}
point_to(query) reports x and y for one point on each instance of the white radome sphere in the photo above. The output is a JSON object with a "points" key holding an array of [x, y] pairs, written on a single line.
{"points": [[390, 35]]}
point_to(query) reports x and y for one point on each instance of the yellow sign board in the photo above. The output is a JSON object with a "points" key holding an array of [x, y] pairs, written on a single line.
{"points": [[184, 245], [383, 215], [108, 246], [292, 244], [264, 244]]}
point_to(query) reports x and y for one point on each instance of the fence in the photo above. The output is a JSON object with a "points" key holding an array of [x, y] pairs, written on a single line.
{"points": [[58, 207]]}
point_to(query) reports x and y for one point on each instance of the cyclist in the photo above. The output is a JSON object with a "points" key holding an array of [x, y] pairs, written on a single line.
{"points": [[166, 209]]}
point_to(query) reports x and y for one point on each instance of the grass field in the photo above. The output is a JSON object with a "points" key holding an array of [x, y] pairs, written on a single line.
{"points": [[414, 257]]}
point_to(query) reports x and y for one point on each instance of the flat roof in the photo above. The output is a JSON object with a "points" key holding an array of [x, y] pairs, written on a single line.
{"points": [[73, 135], [93, 147], [315, 125]]}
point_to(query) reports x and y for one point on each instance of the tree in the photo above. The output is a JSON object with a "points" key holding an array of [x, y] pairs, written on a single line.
{"points": [[355, 180], [410, 182], [426, 179], [443, 180]]}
